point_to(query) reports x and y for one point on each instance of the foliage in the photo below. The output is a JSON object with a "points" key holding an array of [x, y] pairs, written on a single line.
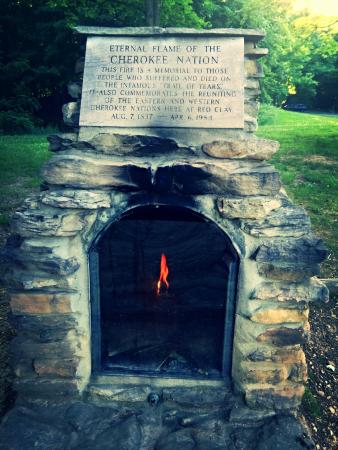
{"points": [[34, 68], [38, 49], [311, 403], [320, 64]]}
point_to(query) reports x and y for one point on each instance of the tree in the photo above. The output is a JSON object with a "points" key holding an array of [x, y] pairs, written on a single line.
{"points": [[38, 48]]}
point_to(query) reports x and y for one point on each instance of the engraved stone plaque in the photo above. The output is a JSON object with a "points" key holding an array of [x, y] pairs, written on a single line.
{"points": [[183, 82]]}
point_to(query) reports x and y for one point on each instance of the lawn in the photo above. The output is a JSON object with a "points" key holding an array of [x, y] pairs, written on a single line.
{"points": [[20, 160], [307, 161]]}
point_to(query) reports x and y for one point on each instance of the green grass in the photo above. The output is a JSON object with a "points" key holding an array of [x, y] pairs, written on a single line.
{"points": [[308, 163], [21, 158], [311, 403]]}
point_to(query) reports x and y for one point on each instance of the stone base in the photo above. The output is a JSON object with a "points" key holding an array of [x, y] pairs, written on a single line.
{"points": [[166, 425]]}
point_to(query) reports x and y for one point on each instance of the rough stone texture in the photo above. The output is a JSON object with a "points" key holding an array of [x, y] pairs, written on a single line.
{"points": [[247, 207], [59, 367], [290, 259], [28, 223], [282, 396], [259, 149], [283, 336], [202, 177], [253, 68], [289, 221], [78, 424], [40, 260], [265, 373], [75, 89], [287, 434], [118, 144], [61, 142], [47, 328], [71, 114], [76, 199], [278, 315], [86, 172], [312, 291], [36, 303], [235, 178]]}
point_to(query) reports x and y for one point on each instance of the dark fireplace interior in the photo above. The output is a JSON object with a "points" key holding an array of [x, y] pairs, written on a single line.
{"points": [[163, 296]]}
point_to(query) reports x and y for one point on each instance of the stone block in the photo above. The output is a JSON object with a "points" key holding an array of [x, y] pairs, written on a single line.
{"points": [[21, 431], [252, 94], [35, 222], [263, 372], [76, 199], [259, 149], [125, 435], [290, 259], [47, 389], [74, 89], [287, 221], [247, 207], [252, 84], [257, 52], [250, 123], [62, 141], [261, 353], [119, 393], [181, 439], [195, 395], [24, 280], [47, 328], [251, 108], [64, 368], [40, 303], [286, 431], [36, 259], [71, 114], [87, 172], [283, 336], [119, 144], [312, 290], [219, 177], [278, 315], [24, 348], [253, 68], [283, 396]]}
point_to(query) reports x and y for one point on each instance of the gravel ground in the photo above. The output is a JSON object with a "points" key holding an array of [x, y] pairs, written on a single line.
{"points": [[320, 402]]}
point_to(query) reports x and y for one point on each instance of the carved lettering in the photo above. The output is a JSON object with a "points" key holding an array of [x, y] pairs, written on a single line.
{"points": [[194, 82]]}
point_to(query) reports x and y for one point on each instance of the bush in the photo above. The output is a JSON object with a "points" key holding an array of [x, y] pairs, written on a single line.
{"points": [[12, 122]]}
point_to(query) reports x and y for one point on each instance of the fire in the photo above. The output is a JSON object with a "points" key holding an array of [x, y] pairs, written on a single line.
{"points": [[164, 272]]}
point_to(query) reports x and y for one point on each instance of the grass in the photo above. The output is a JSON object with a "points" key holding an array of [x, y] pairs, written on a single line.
{"points": [[311, 403], [21, 158], [308, 163]]}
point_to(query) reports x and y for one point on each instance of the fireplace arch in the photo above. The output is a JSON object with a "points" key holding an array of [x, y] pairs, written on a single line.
{"points": [[180, 325]]}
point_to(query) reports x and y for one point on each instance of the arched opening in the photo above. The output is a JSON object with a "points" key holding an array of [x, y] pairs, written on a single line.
{"points": [[163, 285]]}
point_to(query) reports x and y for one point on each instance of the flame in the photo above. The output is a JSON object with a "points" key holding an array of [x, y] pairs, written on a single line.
{"points": [[164, 272]]}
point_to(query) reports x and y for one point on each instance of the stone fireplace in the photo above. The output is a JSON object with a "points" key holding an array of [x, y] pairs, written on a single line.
{"points": [[163, 259]]}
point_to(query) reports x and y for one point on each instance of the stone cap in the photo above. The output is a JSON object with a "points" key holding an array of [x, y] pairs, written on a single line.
{"points": [[248, 34]]}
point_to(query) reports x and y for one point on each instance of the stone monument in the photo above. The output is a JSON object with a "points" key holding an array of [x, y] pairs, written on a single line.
{"points": [[161, 133]]}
